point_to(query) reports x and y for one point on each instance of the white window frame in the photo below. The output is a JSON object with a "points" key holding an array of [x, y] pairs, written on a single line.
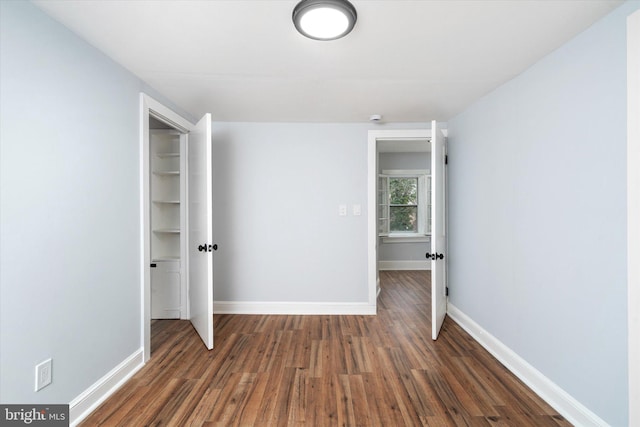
{"points": [[424, 200]]}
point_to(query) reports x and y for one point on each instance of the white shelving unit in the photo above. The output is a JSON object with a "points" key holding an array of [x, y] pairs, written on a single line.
{"points": [[167, 223], [383, 205]]}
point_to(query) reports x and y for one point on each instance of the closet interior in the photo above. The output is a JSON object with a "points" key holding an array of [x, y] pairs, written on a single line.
{"points": [[168, 240]]}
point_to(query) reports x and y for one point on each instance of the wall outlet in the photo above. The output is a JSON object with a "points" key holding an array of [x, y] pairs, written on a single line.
{"points": [[43, 374], [357, 210]]}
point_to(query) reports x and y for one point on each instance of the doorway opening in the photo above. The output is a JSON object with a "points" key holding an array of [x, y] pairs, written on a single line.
{"points": [[418, 223], [167, 149], [163, 222], [184, 208]]}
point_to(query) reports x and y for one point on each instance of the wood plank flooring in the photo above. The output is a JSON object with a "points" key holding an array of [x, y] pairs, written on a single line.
{"points": [[379, 370]]}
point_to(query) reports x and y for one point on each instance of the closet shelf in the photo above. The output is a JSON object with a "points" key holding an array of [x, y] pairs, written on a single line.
{"points": [[167, 230], [165, 258], [167, 155], [176, 202], [166, 173]]}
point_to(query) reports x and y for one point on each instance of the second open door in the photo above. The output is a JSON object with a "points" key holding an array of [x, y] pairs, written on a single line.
{"points": [[438, 231], [200, 229]]}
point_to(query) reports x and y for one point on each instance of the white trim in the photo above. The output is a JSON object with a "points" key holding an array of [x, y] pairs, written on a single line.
{"points": [[406, 238], [91, 398], [633, 214], [406, 172], [166, 114], [576, 413], [184, 253], [292, 308], [145, 250], [404, 265], [372, 209]]}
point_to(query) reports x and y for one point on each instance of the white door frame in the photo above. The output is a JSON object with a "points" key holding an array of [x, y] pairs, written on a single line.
{"points": [[633, 213], [372, 211], [148, 106]]}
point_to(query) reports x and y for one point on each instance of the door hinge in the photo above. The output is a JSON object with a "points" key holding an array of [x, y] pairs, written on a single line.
{"points": [[446, 292], [446, 159]]}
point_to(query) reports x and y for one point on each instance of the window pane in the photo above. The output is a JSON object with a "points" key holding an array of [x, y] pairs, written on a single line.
{"points": [[403, 191], [404, 218]]}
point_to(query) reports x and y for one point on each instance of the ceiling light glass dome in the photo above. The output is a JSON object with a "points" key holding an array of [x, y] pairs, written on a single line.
{"points": [[324, 19]]}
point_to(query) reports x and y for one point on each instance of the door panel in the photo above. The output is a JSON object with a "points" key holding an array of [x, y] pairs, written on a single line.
{"points": [[438, 237], [165, 290], [200, 229]]}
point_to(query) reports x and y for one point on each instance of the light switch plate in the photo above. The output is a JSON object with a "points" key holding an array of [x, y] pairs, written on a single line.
{"points": [[43, 374], [357, 210], [342, 210]]}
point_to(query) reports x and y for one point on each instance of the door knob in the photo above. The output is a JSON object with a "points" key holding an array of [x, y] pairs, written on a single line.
{"points": [[435, 256], [207, 248]]}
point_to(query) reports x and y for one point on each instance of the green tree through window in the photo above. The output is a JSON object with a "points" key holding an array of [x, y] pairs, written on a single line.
{"points": [[403, 204]]}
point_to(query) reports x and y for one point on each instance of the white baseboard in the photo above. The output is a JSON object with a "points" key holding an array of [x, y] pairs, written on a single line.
{"points": [[563, 402], [92, 397], [404, 265], [293, 308]]}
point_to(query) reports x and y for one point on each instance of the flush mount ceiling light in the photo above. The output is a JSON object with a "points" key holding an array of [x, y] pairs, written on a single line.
{"points": [[324, 19]]}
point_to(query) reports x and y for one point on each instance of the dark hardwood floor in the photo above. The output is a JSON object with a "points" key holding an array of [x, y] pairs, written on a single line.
{"points": [[379, 370]]}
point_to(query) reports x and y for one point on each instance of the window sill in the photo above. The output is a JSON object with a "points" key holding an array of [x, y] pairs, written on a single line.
{"points": [[406, 238]]}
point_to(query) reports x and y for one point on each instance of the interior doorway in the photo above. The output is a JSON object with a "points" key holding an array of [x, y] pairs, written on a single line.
{"points": [[428, 209], [404, 218], [163, 221], [176, 218], [167, 152]]}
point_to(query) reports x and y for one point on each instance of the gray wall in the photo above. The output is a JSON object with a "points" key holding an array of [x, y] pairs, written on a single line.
{"points": [[403, 251], [277, 190], [404, 161], [538, 188], [537, 185], [69, 208]]}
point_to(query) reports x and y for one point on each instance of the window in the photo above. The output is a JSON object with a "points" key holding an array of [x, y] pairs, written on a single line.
{"points": [[404, 203]]}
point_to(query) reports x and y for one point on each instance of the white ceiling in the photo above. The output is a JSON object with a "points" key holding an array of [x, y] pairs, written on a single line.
{"points": [[242, 60]]}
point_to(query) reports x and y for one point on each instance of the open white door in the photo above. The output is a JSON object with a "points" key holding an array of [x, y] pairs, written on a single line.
{"points": [[438, 238], [200, 229]]}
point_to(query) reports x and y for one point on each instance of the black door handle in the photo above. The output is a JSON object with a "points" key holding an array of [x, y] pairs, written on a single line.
{"points": [[435, 256], [208, 248]]}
